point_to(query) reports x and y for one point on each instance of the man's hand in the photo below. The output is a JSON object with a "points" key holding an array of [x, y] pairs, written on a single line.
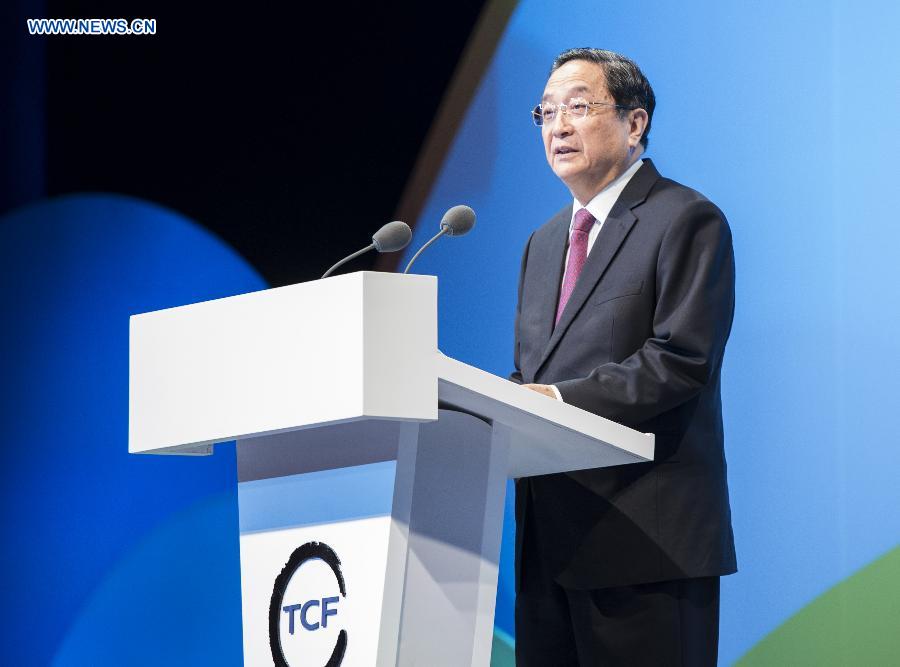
{"points": [[544, 389]]}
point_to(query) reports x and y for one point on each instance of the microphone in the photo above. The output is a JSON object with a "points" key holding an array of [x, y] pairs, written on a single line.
{"points": [[458, 221], [391, 237]]}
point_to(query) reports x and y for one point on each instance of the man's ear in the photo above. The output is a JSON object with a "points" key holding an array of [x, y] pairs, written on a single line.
{"points": [[639, 118]]}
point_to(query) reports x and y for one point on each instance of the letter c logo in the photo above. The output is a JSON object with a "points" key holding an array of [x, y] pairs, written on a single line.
{"points": [[301, 554]]}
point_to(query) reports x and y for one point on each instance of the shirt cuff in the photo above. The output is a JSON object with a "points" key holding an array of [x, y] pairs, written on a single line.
{"points": [[556, 392]]}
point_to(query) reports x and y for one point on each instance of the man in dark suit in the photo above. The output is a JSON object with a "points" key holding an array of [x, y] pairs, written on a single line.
{"points": [[626, 301]]}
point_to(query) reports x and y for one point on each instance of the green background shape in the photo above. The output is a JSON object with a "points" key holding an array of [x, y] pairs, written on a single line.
{"points": [[503, 651], [856, 622]]}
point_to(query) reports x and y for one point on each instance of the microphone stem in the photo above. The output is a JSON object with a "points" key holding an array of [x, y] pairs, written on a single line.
{"points": [[421, 250], [348, 258]]}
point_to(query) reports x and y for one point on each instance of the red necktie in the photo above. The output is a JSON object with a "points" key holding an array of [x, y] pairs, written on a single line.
{"points": [[578, 250]]}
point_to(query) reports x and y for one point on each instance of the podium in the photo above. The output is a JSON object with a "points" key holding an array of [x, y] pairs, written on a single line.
{"points": [[371, 468]]}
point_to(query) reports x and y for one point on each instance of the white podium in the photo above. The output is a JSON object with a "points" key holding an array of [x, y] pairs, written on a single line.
{"points": [[371, 468]]}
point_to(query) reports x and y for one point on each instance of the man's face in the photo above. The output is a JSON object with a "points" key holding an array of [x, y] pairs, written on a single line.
{"points": [[586, 153]]}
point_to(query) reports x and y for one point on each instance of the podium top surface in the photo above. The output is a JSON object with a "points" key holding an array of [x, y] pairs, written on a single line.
{"points": [[546, 435]]}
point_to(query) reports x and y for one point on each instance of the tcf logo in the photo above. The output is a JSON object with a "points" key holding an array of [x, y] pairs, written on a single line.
{"points": [[304, 608], [296, 625]]}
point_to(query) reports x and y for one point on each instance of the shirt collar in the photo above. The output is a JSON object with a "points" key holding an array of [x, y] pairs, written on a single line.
{"points": [[603, 201]]}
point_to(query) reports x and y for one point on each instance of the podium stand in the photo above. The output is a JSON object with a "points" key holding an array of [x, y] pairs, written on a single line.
{"points": [[371, 468]]}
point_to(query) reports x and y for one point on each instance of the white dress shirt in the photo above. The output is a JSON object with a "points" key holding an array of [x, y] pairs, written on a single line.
{"points": [[599, 207]]}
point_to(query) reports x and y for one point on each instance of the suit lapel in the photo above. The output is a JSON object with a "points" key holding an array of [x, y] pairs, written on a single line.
{"points": [[551, 255], [613, 233]]}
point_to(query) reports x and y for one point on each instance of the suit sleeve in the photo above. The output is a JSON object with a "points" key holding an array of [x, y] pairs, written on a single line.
{"points": [[516, 375], [691, 322]]}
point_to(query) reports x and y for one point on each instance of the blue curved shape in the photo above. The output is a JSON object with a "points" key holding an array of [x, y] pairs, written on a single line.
{"points": [[73, 501], [170, 599]]}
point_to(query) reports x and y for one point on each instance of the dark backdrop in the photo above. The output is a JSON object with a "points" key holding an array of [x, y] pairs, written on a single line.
{"points": [[288, 132]]}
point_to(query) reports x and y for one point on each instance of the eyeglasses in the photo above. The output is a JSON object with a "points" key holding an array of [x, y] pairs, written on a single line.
{"points": [[576, 108]]}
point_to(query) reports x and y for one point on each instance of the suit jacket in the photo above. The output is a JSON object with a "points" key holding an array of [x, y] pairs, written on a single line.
{"points": [[640, 342]]}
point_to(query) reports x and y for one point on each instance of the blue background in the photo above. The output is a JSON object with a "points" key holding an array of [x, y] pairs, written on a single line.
{"points": [[784, 114], [108, 558]]}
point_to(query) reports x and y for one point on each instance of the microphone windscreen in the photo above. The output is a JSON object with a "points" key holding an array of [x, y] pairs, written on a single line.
{"points": [[458, 220], [393, 236]]}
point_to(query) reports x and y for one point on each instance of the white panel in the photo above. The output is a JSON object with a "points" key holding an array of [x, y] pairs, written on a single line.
{"points": [[400, 344], [283, 359], [362, 548], [398, 546], [455, 521]]}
